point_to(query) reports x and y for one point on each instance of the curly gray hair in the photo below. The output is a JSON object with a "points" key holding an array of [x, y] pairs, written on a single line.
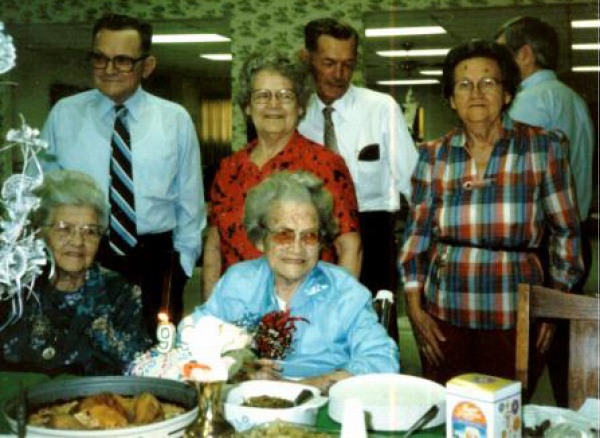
{"points": [[69, 188], [288, 187], [273, 60]]}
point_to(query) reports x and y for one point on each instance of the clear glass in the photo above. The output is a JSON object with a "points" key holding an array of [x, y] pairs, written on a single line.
{"points": [[121, 63], [484, 85], [284, 96], [288, 237], [211, 420], [65, 231]]}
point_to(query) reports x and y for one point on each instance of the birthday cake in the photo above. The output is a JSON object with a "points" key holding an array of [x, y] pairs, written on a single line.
{"points": [[154, 363], [200, 352]]}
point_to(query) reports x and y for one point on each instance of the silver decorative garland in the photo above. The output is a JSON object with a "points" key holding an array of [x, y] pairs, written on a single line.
{"points": [[8, 54], [22, 253]]}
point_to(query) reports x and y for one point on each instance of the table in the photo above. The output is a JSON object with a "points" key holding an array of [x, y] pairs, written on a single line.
{"points": [[11, 382], [325, 423]]}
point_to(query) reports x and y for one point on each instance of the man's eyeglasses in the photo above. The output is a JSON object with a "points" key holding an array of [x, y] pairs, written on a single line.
{"points": [[65, 231], [284, 96], [121, 63], [287, 237], [484, 85]]}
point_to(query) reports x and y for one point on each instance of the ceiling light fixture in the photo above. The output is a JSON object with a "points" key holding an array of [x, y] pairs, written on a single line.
{"points": [[409, 82], [587, 46], [431, 72], [404, 31], [586, 68], [413, 53], [190, 38], [217, 56], [585, 24]]}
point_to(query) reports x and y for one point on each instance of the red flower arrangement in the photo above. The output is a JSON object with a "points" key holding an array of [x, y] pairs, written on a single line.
{"points": [[274, 335]]}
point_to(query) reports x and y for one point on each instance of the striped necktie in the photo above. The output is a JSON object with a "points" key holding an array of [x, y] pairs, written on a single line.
{"points": [[329, 138], [123, 236]]}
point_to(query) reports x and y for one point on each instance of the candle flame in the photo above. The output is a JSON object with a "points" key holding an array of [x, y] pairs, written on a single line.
{"points": [[163, 317]]}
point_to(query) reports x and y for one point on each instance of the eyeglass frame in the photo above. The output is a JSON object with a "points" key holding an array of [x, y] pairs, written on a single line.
{"points": [[471, 85], [277, 93], [68, 229], [284, 233], [107, 60]]}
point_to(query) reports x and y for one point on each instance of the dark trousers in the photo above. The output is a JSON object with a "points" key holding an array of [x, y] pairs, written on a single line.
{"points": [[377, 229], [152, 265], [466, 350], [558, 355]]}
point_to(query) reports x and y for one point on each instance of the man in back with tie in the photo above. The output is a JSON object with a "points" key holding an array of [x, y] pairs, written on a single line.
{"points": [[144, 153], [368, 129]]}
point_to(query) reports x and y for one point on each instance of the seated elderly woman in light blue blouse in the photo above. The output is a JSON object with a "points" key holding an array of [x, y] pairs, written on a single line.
{"points": [[289, 218]]}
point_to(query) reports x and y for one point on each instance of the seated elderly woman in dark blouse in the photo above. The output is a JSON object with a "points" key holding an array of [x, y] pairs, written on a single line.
{"points": [[81, 319], [289, 217]]}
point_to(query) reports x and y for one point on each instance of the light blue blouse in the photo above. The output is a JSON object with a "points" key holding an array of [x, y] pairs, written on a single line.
{"points": [[342, 332]]}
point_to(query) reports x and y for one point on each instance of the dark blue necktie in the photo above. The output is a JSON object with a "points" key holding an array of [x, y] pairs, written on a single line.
{"points": [[123, 235]]}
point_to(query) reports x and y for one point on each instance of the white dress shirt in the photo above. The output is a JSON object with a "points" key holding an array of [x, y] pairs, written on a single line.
{"points": [[365, 118]]}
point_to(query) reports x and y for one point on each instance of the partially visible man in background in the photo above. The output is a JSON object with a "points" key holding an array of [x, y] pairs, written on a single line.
{"points": [[367, 128], [543, 100], [144, 153]]}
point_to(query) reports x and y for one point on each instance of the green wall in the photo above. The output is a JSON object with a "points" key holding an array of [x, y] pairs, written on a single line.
{"points": [[255, 24]]}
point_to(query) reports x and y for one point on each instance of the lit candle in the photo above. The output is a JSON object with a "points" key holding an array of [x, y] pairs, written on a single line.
{"points": [[165, 333]]}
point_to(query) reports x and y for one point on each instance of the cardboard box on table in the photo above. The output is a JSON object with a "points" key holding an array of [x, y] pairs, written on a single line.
{"points": [[480, 406]]}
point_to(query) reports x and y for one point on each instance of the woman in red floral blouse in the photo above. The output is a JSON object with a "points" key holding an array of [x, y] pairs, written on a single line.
{"points": [[273, 94]]}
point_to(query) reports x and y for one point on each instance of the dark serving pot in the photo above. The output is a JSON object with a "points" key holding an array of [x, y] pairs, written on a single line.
{"points": [[64, 390]]}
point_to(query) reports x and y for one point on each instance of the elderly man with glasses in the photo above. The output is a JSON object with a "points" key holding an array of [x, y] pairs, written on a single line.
{"points": [[143, 152]]}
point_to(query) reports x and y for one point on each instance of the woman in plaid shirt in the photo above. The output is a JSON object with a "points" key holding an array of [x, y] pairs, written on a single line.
{"points": [[483, 196]]}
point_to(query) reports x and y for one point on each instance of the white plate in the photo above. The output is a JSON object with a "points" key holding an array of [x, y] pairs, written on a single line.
{"points": [[391, 402]]}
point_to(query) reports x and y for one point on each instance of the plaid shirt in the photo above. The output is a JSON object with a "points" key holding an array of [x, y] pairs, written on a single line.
{"points": [[527, 186]]}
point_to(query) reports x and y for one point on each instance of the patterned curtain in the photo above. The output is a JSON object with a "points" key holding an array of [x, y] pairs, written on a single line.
{"points": [[215, 134]]}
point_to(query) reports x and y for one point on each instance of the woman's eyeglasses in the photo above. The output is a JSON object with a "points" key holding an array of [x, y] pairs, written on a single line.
{"points": [[65, 231], [284, 96], [121, 63], [484, 85], [286, 237]]}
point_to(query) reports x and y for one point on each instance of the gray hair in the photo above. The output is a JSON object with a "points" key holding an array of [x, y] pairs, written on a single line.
{"points": [[538, 34], [275, 61], [288, 187], [69, 188]]}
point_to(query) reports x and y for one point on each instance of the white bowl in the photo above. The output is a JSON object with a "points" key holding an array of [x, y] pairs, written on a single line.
{"points": [[244, 417], [391, 402]]}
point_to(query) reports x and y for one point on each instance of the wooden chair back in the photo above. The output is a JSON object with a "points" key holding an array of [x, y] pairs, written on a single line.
{"points": [[583, 313]]}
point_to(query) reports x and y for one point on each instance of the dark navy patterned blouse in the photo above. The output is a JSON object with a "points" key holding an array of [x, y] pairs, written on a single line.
{"points": [[95, 330]]}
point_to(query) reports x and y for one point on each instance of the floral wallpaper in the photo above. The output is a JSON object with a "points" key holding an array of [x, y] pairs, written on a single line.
{"points": [[255, 24]]}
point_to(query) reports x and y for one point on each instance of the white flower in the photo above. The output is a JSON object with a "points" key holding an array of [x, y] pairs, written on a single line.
{"points": [[211, 337], [207, 340], [8, 53]]}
